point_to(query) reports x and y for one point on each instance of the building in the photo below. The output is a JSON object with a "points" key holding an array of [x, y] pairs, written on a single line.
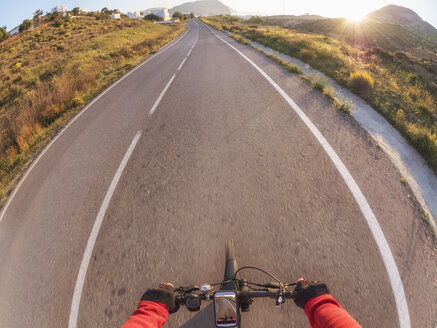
{"points": [[14, 31], [161, 12], [60, 9], [115, 16], [84, 11], [135, 15]]}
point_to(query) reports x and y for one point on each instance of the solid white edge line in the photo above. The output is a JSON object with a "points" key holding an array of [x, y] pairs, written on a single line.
{"points": [[375, 228], [75, 303], [23, 178], [155, 105]]}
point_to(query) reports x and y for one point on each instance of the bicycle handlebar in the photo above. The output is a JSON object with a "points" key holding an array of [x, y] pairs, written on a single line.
{"points": [[181, 299]]}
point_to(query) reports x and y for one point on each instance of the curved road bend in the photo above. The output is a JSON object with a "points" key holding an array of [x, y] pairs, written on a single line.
{"points": [[222, 155]]}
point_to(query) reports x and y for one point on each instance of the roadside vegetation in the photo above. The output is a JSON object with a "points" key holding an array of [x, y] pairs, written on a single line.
{"points": [[391, 82], [48, 73]]}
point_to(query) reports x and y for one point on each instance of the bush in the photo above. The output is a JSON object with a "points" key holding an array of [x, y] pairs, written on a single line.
{"points": [[307, 55], [126, 52], [317, 81], [3, 34], [77, 101], [178, 15], [361, 82], [25, 25], [54, 16], [102, 16], [293, 69], [153, 17]]}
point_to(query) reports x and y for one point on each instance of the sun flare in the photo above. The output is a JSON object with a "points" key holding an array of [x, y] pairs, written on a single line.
{"points": [[355, 16]]}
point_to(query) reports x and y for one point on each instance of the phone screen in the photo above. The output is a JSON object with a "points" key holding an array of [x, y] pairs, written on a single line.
{"points": [[225, 304]]}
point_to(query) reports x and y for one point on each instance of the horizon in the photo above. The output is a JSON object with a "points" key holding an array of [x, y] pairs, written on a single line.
{"points": [[12, 14]]}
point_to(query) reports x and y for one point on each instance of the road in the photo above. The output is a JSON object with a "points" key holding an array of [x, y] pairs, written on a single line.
{"points": [[193, 147]]}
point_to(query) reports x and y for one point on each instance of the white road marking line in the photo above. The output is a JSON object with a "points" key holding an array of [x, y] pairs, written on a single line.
{"points": [[188, 54], [180, 66], [161, 95], [74, 311], [161, 51], [378, 235], [155, 105]]}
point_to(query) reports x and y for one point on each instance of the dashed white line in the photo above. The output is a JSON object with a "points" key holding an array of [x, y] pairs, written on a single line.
{"points": [[161, 51], [74, 311], [375, 228], [180, 66], [155, 105], [161, 95]]}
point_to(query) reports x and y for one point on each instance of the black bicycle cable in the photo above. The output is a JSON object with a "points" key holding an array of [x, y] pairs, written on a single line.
{"points": [[255, 268]]}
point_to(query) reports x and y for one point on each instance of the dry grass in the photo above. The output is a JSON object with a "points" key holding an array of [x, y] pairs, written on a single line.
{"points": [[392, 83], [48, 73]]}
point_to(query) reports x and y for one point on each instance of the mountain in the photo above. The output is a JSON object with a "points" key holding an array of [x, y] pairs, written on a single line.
{"points": [[404, 17], [203, 7], [151, 10]]}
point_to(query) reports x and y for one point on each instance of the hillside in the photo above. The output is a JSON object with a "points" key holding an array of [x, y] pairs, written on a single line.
{"points": [[401, 87], [392, 35], [48, 73], [396, 31], [203, 7], [404, 17]]}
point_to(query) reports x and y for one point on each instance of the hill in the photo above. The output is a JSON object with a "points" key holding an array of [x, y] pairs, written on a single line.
{"points": [[404, 17], [394, 32], [203, 7], [49, 72]]}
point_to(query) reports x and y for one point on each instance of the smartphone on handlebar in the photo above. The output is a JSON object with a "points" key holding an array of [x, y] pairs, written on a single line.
{"points": [[225, 309]]}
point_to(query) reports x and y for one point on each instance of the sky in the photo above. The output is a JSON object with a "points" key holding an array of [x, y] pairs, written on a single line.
{"points": [[12, 13]]}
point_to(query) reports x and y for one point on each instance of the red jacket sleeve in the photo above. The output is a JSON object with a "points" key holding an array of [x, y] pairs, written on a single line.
{"points": [[148, 315], [325, 312]]}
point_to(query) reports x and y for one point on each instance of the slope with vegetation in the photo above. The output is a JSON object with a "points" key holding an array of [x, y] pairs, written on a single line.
{"points": [[48, 73], [392, 82]]}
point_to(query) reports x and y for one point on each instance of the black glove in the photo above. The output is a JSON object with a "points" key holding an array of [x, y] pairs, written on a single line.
{"points": [[164, 294], [305, 291]]}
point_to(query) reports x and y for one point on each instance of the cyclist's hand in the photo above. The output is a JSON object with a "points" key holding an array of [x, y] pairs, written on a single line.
{"points": [[305, 291], [164, 294]]}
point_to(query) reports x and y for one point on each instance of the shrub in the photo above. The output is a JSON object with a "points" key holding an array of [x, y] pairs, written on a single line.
{"points": [[307, 55], [25, 25], [17, 66], [293, 69], [153, 17], [77, 101], [317, 81], [361, 82], [178, 15], [3, 34], [127, 53]]}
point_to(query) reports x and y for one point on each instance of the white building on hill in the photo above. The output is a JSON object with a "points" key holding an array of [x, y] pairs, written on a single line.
{"points": [[115, 16], [161, 12], [60, 9], [135, 15], [14, 31]]}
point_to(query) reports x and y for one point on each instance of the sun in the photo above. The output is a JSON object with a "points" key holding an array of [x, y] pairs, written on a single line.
{"points": [[355, 16]]}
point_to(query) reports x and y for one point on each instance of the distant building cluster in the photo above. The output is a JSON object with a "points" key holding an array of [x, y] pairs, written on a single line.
{"points": [[161, 12], [60, 9]]}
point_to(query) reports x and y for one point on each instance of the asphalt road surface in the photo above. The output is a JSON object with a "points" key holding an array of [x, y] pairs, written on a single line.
{"points": [[185, 152]]}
